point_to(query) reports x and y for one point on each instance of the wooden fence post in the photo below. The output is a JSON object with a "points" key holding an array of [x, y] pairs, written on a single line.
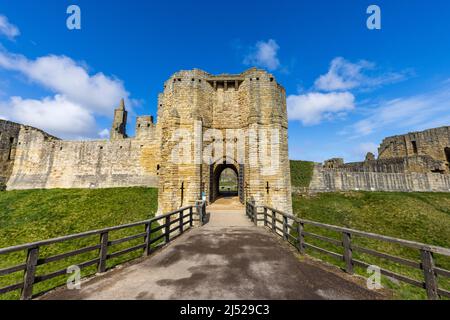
{"points": [[191, 217], [103, 253], [429, 274], [273, 220], [148, 233], [265, 217], [300, 238], [285, 228], [346, 240], [30, 272], [167, 229], [255, 215], [181, 221]]}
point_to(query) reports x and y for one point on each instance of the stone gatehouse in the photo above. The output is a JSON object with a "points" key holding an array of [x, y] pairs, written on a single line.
{"points": [[205, 124]]}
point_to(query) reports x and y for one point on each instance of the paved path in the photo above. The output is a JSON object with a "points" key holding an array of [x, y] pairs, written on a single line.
{"points": [[226, 259]]}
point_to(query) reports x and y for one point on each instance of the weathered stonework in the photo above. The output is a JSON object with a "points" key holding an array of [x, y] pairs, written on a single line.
{"points": [[417, 161], [195, 101], [9, 132], [191, 104]]}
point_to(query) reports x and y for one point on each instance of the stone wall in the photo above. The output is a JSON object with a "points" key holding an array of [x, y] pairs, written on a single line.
{"points": [[329, 180], [195, 102], [192, 103], [9, 133], [431, 142], [43, 161]]}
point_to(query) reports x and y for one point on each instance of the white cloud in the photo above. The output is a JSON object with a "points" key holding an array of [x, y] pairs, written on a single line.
{"points": [[7, 29], [345, 75], [97, 93], [416, 112], [78, 96], [264, 54], [311, 108], [57, 115]]}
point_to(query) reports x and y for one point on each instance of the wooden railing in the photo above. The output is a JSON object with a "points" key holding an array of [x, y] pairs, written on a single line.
{"points": [[292, 229], [182, 218]]}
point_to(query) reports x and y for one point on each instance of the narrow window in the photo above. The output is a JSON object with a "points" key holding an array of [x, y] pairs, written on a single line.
{"points": [[11, 142], [414, 145], [447, 154]]}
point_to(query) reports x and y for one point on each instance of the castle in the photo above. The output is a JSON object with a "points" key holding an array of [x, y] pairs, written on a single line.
{"points": [[206, 124], [226, 110], [417, 161]]}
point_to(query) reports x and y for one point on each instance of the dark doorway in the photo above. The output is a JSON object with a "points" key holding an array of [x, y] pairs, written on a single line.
{"points": [[414, 145], [447, 154]]}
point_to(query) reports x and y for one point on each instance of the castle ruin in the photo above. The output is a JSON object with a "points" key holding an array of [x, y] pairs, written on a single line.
{"points": [[417, 161], [225, 111]]}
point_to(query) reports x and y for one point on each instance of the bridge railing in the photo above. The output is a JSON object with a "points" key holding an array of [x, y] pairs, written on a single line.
{"points": [[292, 229], [156, 232]]}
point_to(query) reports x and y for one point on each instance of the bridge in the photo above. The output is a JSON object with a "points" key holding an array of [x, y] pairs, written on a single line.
{"points": [[235, 252]]}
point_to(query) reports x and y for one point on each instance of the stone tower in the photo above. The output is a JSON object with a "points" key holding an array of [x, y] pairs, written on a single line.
{"points": [[216, 113], [118, 130]]}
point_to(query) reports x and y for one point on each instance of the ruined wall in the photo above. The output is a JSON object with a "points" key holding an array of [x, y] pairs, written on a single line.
{"points": [[329, 180], [9, 133], [417, 161], [43, 161], [431, 142]]}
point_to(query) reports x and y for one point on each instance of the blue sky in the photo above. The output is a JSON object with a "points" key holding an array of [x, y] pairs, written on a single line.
{"points": [[348, 87]]}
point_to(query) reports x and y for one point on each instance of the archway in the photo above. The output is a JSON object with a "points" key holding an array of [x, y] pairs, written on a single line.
{"points": [[228, 183], [225, 181]]}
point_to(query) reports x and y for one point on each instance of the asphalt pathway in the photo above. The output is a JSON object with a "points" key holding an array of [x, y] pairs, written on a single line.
{"points": [[228, 258]]}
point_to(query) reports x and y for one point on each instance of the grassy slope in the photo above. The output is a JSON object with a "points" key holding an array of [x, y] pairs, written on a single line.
{"points": [[423, 217], [32, 215], [301, 173]]}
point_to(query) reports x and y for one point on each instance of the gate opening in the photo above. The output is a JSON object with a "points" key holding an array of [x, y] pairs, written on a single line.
{"points": [[228, 183]]}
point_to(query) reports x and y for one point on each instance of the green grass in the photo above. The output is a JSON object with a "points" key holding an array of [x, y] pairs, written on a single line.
{"points": [[422, 217], [301, 173], [33, 215]]}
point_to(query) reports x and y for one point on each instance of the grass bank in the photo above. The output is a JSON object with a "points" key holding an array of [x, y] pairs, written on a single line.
{"points": [[32, 215], [422, 217], [301, 173]]}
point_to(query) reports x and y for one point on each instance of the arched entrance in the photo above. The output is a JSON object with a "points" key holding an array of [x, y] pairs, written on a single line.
{"points": [[228, 183], [226, 180]]}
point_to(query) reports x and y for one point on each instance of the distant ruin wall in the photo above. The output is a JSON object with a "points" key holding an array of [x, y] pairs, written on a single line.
{"points": [[329, 180], [42, 161], [9, 131]]}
